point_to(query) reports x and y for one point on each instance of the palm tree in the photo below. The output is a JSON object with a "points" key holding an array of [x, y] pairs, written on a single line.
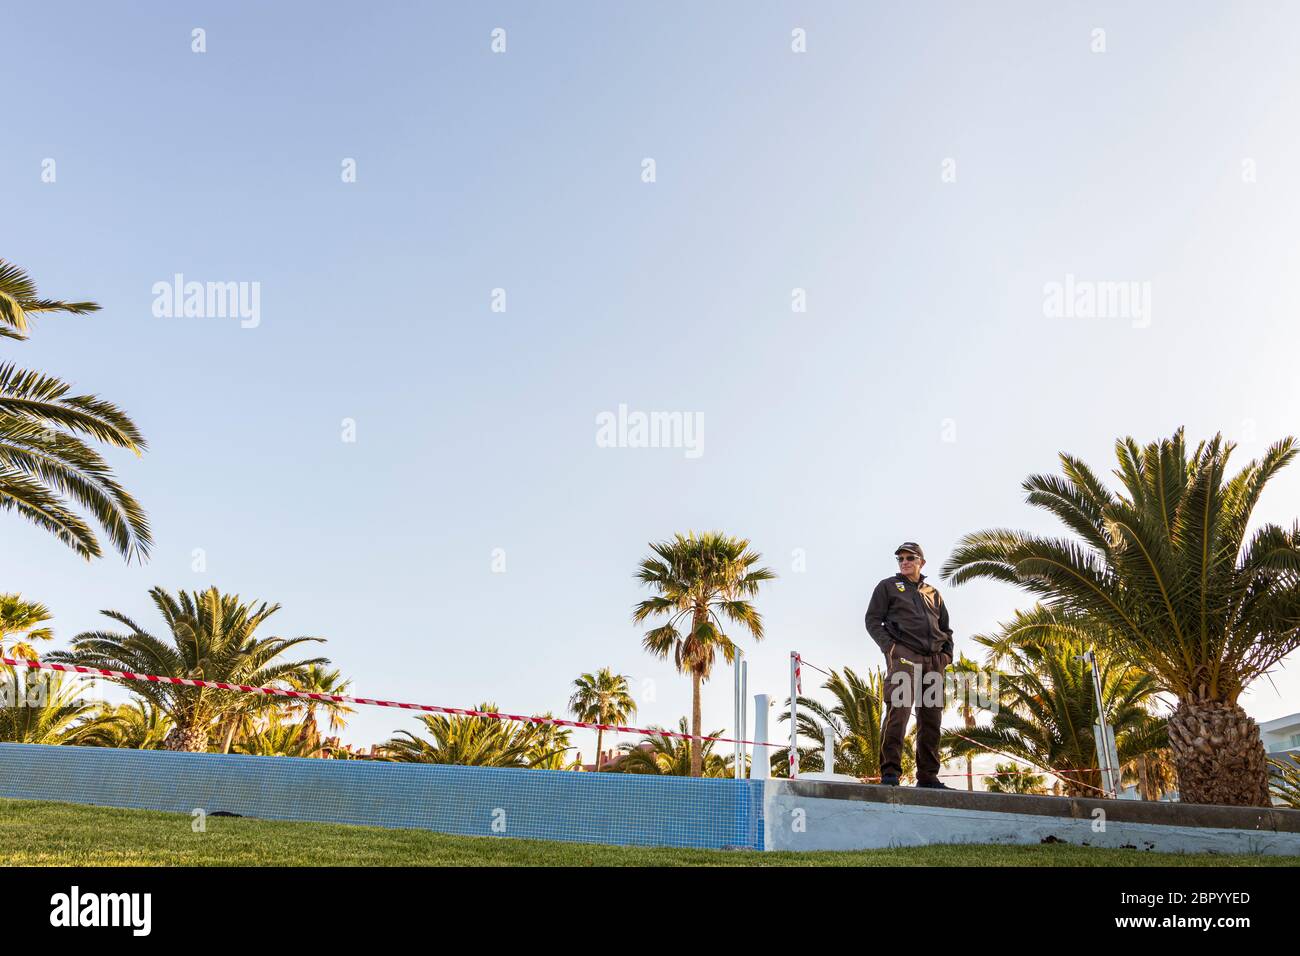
{"points": [[315, 679], [212, 637], [1153, 773], [139, 725], [670, 756], [19, 618], [1167, 568], [18, 300], [601, 698], [857, 718], [1048, 705], [238, 722], [1012, 778], [275, 737], [697, 577], [1286, 785], [45, 464], [41, 707], [971, 672], [477, 742], [550, 748]]}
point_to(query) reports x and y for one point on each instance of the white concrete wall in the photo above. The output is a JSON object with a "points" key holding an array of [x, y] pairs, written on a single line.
{"points": [[793, 822]]}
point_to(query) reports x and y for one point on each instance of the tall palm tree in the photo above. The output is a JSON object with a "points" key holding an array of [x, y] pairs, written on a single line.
{"points": [[700, 579], [478, 742], [22, 619], [670, 756], [46, 466], [971, 671], [246, 716], [1048, 703], [315, 679], [1169, 570], [210, 636], [43, 707], [857, 719], [601, 698]]}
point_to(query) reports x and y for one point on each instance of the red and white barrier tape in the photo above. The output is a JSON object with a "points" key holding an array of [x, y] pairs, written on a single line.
{"points": [[343, 699], [432, 708]]}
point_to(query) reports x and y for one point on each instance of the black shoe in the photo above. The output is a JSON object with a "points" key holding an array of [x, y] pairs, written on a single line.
{"points": [[889, 780], [933, 785]]}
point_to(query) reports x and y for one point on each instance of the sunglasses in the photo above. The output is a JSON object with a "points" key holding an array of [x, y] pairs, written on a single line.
{"points": [[906, 557]]}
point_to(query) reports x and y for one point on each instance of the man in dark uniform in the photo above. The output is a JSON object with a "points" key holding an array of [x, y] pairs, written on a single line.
{"points": [[909, 621]]}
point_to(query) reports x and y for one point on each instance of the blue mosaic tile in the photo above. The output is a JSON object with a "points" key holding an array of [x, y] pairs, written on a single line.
{"points": [[620, 809]]}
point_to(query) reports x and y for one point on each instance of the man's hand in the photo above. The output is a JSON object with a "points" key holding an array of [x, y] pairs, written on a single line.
{"points": [[945, 661]]}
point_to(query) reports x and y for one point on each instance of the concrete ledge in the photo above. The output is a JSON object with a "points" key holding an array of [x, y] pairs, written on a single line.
{"points": [[1276, 819], [823, 815]]}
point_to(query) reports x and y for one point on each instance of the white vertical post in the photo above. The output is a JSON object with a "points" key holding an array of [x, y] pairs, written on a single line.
{"points": [[761, 765], [1116, 777], [744, 712], [794, 714], [1106, 761], [828, 754], [737, 732]]}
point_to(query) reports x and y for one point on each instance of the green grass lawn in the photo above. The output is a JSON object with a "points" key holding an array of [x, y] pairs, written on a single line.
{"points": [[46, 834], [62, 834]]}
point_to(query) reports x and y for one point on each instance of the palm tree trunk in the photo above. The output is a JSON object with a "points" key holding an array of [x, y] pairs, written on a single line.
{"points": [[599, 738], [697, 750], [186, 739], [1086, 784], [970, 760], [1218, 754], [229, 736], [1144, 779]]}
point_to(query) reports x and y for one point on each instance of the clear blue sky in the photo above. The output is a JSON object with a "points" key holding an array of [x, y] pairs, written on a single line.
{"points": [[823, 430]]}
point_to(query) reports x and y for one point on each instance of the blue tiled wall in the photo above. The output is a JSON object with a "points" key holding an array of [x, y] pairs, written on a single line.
{"points": [[627, 809]]}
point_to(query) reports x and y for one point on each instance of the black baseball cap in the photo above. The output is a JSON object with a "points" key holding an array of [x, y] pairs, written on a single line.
{"points": [[910, 546]]}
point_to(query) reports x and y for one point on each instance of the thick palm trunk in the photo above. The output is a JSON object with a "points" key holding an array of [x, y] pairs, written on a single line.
{"points": [[697, 750], [187, 739], [1218, 754], [1087, 784], [1146, 785], [599, 738]]}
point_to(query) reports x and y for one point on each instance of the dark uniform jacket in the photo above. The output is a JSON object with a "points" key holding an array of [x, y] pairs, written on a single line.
{"points": [[910, 615]]}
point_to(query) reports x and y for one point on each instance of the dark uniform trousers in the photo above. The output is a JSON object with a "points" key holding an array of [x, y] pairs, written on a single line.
{"points": [[906, 685]]}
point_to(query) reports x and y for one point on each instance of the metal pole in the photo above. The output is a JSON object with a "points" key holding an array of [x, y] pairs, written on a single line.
{"points": [[744, 712], [739, 733], [761, 765], [1108, 773], [794, 714], [828, 753]]}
